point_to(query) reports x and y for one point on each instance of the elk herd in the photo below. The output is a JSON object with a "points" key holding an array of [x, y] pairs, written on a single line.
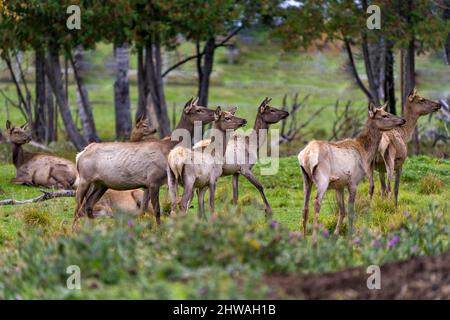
{"points": [[126, 177]]}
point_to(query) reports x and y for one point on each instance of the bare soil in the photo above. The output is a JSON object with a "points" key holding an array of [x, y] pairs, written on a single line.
{"points": [[416, 278]]}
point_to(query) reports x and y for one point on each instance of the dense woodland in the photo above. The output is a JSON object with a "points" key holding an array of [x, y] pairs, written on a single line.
{"points": [[153, 28]]}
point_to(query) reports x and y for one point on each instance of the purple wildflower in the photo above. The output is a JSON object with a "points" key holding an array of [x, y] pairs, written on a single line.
{"points": [[393, 241], [130, 236], [202, 291], [274, 224], [356, 241], [406, 213], [325, 233], [19, 297], [376, 243], [130, 223]]}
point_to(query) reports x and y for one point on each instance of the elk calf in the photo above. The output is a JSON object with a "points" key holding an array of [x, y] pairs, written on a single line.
{"points": [[200, 169], [342, 164], [38, 169], [393, 149]]}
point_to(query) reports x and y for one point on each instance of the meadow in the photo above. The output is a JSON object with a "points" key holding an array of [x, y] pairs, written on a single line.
{"points": [[229, 254]]}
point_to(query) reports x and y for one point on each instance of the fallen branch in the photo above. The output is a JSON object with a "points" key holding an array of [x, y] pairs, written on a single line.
{"points": [[46, 196]]}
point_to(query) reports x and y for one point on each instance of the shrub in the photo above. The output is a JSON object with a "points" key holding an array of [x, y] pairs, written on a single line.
{"points": [[35, 217], [430, 184]]}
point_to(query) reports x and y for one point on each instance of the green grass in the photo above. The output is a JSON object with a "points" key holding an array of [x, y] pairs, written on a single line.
{"points": [[284, 192]]}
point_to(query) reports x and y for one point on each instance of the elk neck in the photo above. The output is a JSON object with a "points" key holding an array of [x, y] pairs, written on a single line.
{"points": [[369, 139], [411, 118], [260, 129], [224, 136], [184, 124], [18, 155]]}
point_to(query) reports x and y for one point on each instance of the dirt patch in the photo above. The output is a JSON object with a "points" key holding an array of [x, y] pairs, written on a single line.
{"points": [[416, 278]]}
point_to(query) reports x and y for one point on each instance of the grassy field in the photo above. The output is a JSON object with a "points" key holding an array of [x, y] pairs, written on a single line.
{"points": [[226, 256]]}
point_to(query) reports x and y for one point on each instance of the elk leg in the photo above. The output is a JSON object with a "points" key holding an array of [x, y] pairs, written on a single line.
{"points": [[351, 208], [307, 186], [212, 193], [389, 160], [341, 204], [186, 198], [154, 198], [171, 182], [322, 186], [94, 195], [382, 183], [398, 173], [250, 177], [145, 200], [80, 195], [201, 202], [371, 184], [235, 188]]}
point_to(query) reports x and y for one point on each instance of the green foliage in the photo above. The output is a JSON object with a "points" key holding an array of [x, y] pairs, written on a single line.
{"points": [[430, 184], [190, 258]]}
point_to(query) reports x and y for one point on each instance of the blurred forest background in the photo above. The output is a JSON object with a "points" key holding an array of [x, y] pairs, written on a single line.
{"points": [[134, 58]]}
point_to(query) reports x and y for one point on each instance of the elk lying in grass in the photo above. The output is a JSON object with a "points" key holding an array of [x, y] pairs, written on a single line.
{"points": [[126, 165], [238, 148], [393, 148], [342, 164], [200, 168], [38, 169]]}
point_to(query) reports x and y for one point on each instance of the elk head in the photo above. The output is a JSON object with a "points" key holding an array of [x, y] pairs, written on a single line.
{"points": [[142, 130], [17, 135], [193, 112], [270, 114], [226, 120], [420, 105], [384, 120]]}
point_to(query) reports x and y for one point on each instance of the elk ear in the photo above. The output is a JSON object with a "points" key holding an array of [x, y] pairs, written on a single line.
{"points": [[372, 110], [263, 105], [188, 106], [233, 110], [383, 107], [217, 113], [412, 94], [195, 101], [8, 124], [268, 100], [24, 126]]}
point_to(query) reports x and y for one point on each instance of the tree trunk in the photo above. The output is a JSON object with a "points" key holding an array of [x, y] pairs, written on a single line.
{"points": [[40, 125], [389, 79], [372, 56], [142, 84], [155, 85], [206, 70], [54, 75], [122, 93], [408, 78], [446, 16], [83, 103], [51, 134]]}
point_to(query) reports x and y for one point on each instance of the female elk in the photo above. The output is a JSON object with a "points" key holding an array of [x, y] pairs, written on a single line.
{"points": [[200, 169], [342, 164], [125, 165], [393, 150], [38, 169]]}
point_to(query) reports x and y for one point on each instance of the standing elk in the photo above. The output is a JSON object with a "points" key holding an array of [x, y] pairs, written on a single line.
{"points": [[200, 169], [238, 148], [143, 131], [393, 149], [126, 165], [38, 169], [342, 164]]}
